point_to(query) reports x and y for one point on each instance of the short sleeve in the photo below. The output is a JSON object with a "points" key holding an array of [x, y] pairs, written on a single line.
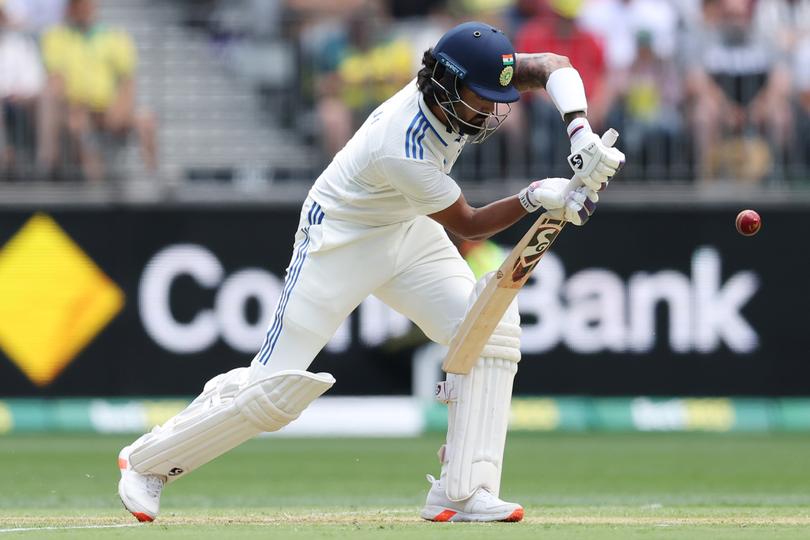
{"points": [[423, 185], [54, 44], [122, 53]]}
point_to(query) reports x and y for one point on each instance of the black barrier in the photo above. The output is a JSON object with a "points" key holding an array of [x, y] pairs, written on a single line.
{"points": [[656, 302]]}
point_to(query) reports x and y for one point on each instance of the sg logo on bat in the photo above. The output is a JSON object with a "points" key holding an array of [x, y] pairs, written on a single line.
{"points": [[535, 249]]}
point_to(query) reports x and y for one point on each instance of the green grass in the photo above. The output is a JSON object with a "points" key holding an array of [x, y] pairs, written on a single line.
{"points": [[695, 486]]}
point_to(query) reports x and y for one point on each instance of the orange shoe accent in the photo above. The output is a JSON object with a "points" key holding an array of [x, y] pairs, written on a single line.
{"points": [[140, 516], [515, 516], [444, 515], [122, 463]]}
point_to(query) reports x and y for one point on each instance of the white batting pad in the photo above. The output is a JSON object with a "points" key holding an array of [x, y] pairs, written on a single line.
{"points": [[479, 412], [227, 413]]}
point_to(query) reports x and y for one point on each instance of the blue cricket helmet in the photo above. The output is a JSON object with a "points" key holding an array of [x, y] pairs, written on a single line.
{"points": [[482, 57]]}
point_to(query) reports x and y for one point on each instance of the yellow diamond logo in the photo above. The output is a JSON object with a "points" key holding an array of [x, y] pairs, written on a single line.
{"points": [[53, 299]]}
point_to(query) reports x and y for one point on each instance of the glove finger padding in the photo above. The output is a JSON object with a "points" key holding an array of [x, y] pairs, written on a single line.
{"points": [[591, 198], [548, 193], [613, 158], [575, 213], [596, 181], [604, 169], [580, 205], [548, 196], [554, 183], [576, 196]]}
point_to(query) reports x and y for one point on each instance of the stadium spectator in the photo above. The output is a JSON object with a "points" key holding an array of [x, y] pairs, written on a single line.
{"points": [[360, 67], [618, 23], [555, 29], [21, 81], [91, 92], [690, 13], [650, 95], [639, 37], [802, 75], [424, 31], [739, 90], [521, 12], [786, 22]]}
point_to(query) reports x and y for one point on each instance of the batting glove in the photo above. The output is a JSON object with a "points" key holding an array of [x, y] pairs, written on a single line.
{"points": [[552, 196], [592, 161]]}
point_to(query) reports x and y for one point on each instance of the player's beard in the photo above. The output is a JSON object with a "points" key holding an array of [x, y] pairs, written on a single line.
{"points": [[478, 122]]}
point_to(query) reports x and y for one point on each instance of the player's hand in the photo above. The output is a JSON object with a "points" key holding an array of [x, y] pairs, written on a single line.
{"points": [[553, 195], [593, 162], [580, 205]]}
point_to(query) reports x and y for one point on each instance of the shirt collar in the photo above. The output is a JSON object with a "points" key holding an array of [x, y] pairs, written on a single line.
{"points": [[437, 125]]}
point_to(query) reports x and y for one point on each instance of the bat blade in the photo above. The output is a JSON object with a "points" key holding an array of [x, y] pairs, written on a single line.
{"points": [[488, 309]]}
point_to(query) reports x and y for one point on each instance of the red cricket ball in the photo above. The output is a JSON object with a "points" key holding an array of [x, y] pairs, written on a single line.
{"points": [[748, 223]]}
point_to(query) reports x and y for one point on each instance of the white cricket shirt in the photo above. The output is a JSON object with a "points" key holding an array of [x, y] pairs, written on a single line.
{"points": [[394, 168]]}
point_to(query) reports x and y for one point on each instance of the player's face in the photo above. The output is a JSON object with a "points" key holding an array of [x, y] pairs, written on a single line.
{"points": [[478, 110]]}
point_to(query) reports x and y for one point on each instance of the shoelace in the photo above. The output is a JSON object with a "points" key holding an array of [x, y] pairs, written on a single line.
{"points": [[154, 486]]}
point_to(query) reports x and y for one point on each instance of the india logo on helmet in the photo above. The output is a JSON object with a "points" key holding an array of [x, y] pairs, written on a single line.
{"points": [[506, 75]]}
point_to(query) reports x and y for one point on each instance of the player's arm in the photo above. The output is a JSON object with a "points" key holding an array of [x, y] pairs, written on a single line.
{"points": [[593, 162], [533, 70], [437, 195], [547, 195], [480, 223]]}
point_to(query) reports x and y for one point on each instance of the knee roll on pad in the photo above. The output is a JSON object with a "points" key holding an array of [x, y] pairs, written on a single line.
{"points": [[504, 343], [226, 414], [272, 403], [478, 417]]}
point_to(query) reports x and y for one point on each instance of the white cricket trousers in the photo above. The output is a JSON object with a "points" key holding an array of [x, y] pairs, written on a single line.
{"points": [[412, 266]]}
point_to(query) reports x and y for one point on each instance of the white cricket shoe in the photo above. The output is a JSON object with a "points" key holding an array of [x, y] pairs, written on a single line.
{"points": [[481, 506], [140, 493]]}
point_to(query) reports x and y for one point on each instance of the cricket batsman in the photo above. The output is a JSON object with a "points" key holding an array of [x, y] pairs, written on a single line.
{"points": [[373, 223]]}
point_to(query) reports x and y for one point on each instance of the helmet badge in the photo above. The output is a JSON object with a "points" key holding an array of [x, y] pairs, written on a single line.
{"points": [[508, 69]]}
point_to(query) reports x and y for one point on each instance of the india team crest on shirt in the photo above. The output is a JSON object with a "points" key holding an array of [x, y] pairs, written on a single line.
{"points": [[508, 69]]}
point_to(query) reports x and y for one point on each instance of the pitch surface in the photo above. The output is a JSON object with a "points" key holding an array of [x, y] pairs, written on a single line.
{"points": [[596, 486]]}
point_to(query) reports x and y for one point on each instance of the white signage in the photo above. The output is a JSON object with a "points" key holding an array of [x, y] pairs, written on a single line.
{"points": [[591, 311]]}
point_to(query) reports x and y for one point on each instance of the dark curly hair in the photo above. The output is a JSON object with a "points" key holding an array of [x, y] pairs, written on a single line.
{"points": [[424, 79]]}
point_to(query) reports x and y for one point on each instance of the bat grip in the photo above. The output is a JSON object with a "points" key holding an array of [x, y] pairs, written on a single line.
{"points": [[609, 138]]}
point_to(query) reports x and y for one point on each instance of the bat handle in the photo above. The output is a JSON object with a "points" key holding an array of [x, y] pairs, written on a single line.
{"points": [[609, 138]]}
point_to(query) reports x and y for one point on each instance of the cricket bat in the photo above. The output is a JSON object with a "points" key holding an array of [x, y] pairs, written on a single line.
{"points": [[503, 286]]}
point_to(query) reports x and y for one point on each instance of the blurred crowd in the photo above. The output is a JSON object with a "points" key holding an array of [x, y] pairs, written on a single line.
{"points": [[699, 89], [68, 92]]}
